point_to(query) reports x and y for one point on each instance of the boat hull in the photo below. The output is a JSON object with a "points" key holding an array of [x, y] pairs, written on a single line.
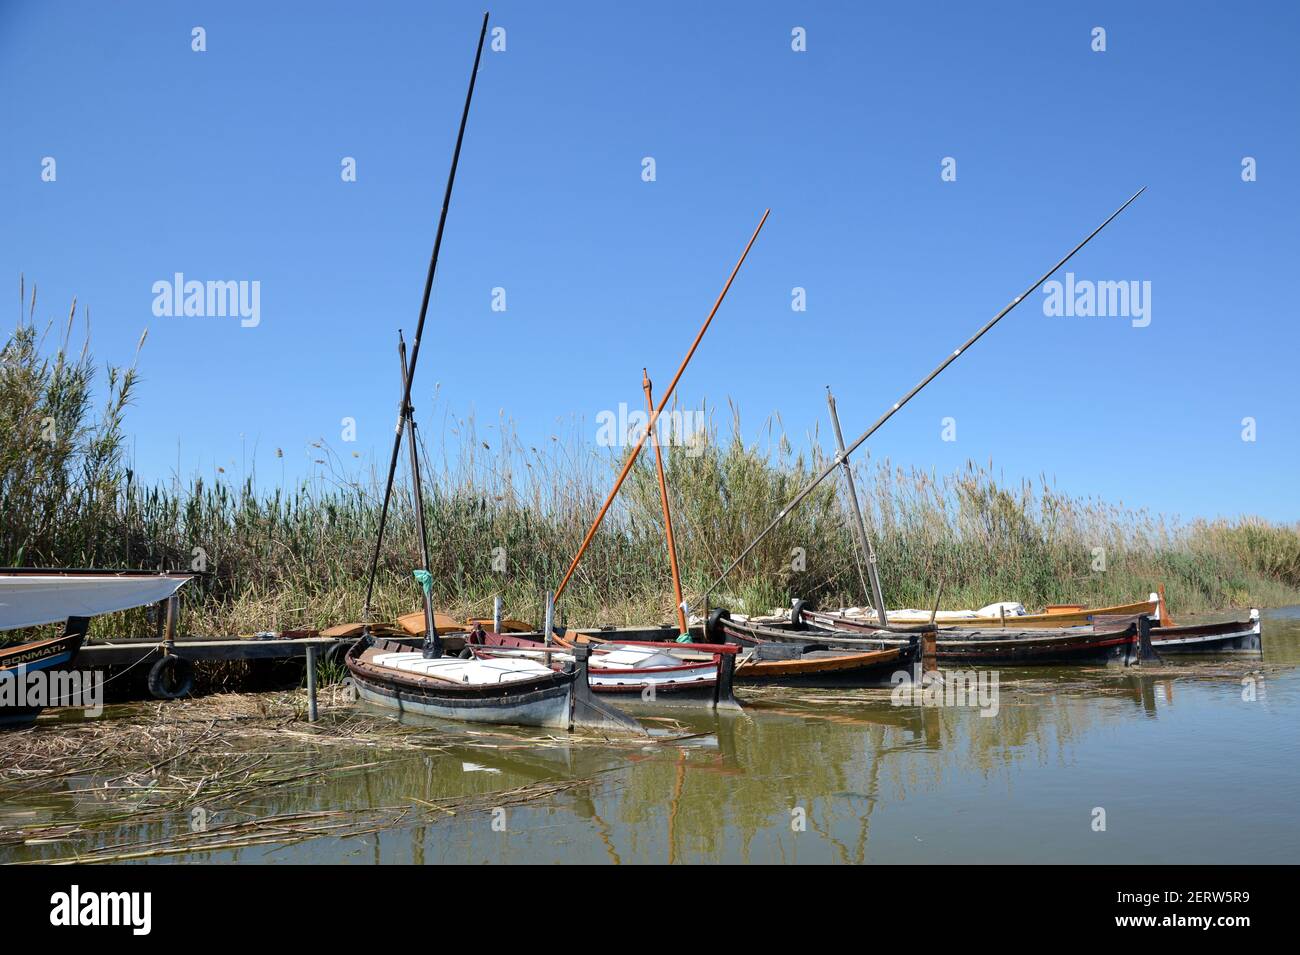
{"points": [[543, 701], [1233, 636], [776, 658], [1117, 645], [548, 708], [827, 669], [697, 686], [1036, 648], [43, 655]]}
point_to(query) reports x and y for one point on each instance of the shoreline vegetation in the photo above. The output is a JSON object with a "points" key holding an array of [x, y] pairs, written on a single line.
{"points": [[505, 518]]}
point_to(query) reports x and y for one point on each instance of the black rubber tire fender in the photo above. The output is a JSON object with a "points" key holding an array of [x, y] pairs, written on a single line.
{"points": [[796, 613], [335, 655], [171, 678]]}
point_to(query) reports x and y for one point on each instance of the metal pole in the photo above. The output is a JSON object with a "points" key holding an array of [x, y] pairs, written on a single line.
{"points": [[496, 613], [550, 618], [311, 684], [798, 498], [654, 418], [432, 641], [864, 539], [169, 631], [668, 517], [424, 309]]}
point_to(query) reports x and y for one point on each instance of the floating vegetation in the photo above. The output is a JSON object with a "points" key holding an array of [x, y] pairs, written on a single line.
{"points": [[79, 782]]}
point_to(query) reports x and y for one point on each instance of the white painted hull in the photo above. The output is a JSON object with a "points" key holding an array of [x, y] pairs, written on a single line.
{"points": [[704, 674], [551, 712]]}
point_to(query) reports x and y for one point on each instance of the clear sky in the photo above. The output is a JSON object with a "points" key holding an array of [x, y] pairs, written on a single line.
{"points": [[226, 165]]}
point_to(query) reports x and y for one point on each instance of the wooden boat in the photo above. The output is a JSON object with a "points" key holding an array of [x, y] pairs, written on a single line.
{"points": [[49, 656], [520, 692], [1113, 642], [775, 655], [828, 668], [1232, 636], [32, 597], [685, 674], [1054, 616]]}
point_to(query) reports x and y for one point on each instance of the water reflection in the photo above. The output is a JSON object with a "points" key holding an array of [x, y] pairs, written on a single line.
{"points": [[1194, 761]]}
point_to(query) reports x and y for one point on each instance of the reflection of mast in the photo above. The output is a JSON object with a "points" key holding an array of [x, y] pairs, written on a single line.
{"points": [[873, 785], [585, 806], [418, 835], [840, 847], [678, 786]]}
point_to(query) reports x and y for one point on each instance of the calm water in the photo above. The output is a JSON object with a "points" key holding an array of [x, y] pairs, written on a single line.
{"points": [[1186, 769]]}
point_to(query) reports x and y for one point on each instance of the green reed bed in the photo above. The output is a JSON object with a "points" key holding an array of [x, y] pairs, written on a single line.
{"points": [[506, 518]]}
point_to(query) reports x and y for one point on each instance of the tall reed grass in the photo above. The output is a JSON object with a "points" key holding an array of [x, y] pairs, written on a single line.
{"points": [[506, 519]]}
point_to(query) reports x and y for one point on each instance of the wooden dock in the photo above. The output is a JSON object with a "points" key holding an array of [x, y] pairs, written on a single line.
{"points": [[115, 653]]}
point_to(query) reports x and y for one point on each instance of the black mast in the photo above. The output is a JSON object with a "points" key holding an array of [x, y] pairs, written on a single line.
{"points": [[432, 644], [419, 329]]}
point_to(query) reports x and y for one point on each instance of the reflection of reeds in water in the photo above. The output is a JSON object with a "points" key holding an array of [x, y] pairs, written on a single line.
{"points": [[298, 556]]}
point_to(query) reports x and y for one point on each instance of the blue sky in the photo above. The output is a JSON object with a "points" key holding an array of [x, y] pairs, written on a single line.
{"points": [[225, 165]]}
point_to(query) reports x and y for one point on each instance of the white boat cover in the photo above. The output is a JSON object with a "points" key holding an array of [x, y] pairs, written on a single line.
{"points": [[29, 600], [634, 658], [615, 657], [473, 672], [910, 615]]}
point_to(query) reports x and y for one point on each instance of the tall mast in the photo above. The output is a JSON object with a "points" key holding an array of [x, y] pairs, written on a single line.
{"points": [[798, 498], [431, 640], [876, 593], [668, 515], [654, 418], [419, 327]]}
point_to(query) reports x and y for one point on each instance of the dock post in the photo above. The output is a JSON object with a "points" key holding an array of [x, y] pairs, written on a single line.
{"points": [[169, 627], [550, 618], [929, 650], [311, 684], [496, 613]]}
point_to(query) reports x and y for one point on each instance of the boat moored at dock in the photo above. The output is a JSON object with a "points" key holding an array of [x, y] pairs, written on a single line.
{"points": [[518, 692]]}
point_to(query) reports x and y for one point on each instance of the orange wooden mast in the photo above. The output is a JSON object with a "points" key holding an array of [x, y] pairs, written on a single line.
{"points": [[654, 418], [668, 516]]}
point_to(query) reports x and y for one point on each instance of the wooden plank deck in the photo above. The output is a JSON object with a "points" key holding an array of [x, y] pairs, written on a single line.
{"points": [[126, 652]]}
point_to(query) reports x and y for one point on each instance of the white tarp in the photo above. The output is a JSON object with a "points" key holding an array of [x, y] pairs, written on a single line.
{"points": [[29, 600], [909, 615]]}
